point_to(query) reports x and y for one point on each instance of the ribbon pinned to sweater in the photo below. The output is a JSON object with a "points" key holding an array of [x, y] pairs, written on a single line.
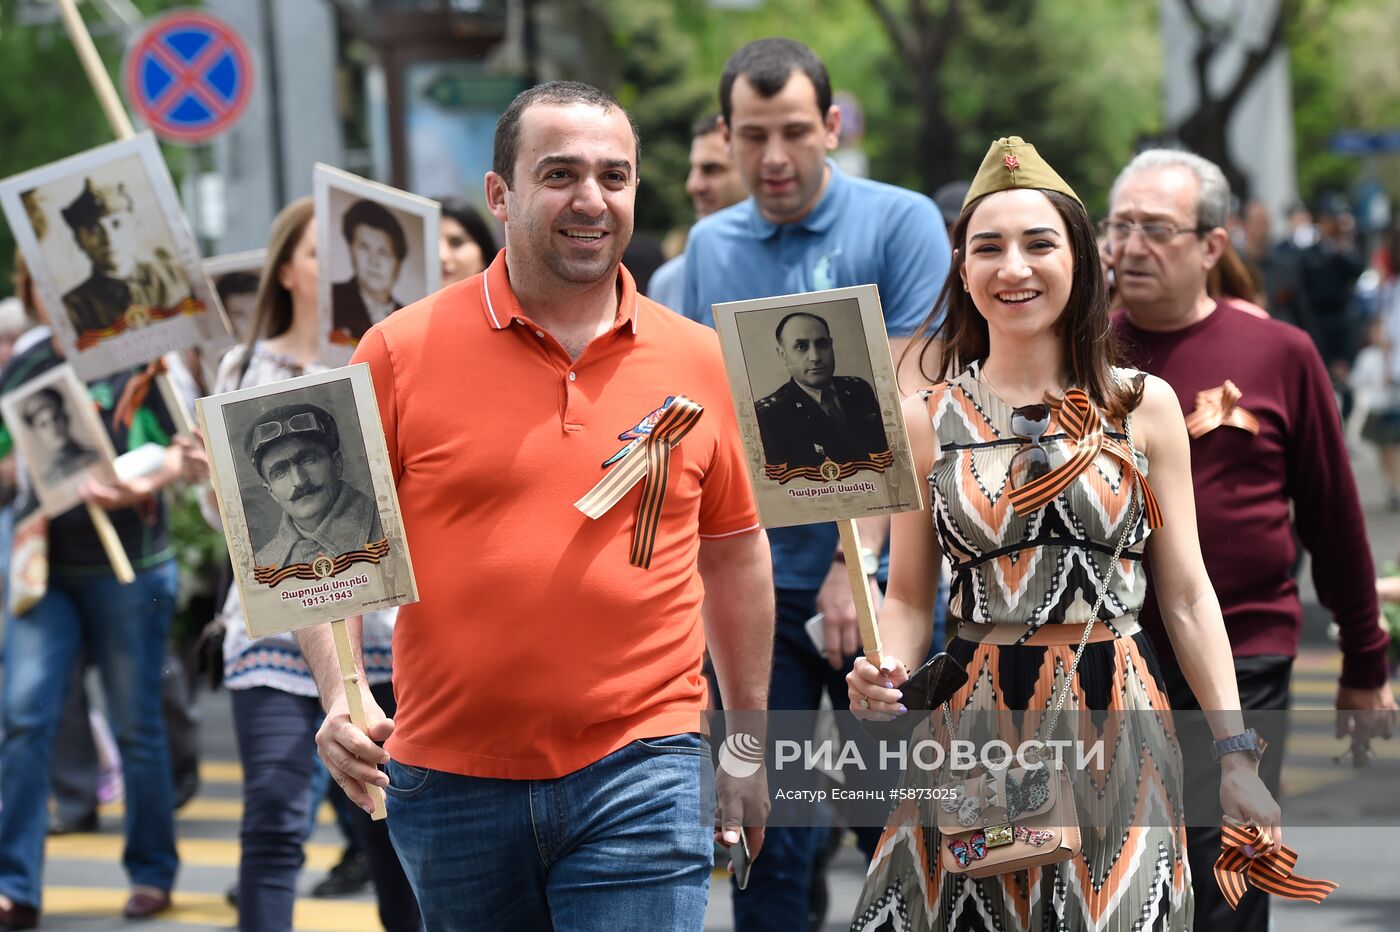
{"points": [[1083, 426], [649, 460], [1272, 872], [1219, 407]]}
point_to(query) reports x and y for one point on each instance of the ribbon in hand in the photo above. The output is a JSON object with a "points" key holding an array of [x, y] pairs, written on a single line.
{"points": [[1271, 872]]}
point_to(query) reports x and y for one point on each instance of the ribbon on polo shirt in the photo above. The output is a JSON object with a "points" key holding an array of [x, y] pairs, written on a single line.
{"points": [[1272, 872], [1219, 407], [649, 459], [1081, 423]]}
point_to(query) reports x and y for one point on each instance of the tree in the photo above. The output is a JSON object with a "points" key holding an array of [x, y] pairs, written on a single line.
{"points": [[1204, 130], [1343, 78], [47, 108], [922, 40]]}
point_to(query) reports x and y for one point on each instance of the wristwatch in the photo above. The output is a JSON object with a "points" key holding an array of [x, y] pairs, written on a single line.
{"points": [[1249, 742], [869, 560]]}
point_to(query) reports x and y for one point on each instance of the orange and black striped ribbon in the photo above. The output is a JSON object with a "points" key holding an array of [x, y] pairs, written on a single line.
{"points": [[371, 553], [1081, 423], [135, 392], [783, 473], [1219, 407], [1271, 872], [90, 338], [648, 462]]}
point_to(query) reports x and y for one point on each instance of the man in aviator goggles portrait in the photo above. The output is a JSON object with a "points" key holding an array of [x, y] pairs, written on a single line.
{"points": [[296, 452]]}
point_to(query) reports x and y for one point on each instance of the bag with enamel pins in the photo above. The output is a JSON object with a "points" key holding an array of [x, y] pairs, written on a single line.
{"points": [[1001, 821], [1008, 820]]}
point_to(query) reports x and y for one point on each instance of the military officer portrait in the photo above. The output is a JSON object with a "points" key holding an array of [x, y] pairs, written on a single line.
{"points": [[58, 455], [296, 452], [377, 247], [817, 415], [103, 223]]}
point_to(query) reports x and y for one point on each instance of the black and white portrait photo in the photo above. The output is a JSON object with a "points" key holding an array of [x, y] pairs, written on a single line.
{"points": [[817, 415], [818, 408], [378, 247], [377, 254], [301, 474], [235, 278], [112, 256], [59, 437], [304, 478]]}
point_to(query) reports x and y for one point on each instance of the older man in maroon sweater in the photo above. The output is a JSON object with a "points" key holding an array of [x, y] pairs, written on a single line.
{"points": [[1265, 435]]}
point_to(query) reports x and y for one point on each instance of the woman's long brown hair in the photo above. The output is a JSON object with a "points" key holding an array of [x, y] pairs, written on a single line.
{"points": [[272, 311], [1083, 327]]}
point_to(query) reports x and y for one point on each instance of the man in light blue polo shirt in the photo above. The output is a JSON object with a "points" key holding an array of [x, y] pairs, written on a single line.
{"points": [[806, 227]]}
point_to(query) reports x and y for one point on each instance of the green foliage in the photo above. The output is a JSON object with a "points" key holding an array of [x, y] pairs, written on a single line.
{"points": [[1081, 80], [47, 107], [1346, 75], [200, 552]]}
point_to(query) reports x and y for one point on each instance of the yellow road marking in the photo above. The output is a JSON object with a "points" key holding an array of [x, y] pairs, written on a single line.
{"points": [[201, 852], [211, 910], [1298, 780], [210, 810], [220, 771]]}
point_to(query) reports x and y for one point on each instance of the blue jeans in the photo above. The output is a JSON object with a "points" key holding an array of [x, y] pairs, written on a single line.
{"points": [[276, 734], [624, 843], [124, 629]]}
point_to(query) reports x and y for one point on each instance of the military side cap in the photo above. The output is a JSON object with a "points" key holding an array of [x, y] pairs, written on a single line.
{"points": [[95, 202], [285, 422], [1010, 163]]}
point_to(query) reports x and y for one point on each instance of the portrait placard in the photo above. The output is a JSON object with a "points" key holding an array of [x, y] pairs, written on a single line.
{"points": [[59, 436], [818, 406], [234, 277], [376, 251], [112, 257], [307, 498]]}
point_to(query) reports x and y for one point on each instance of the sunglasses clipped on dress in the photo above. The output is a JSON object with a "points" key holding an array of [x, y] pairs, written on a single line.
{"points": [[1029, 422]]}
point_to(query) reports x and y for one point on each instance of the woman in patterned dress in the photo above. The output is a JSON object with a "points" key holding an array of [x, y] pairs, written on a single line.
{"points": [[1026, 323]]}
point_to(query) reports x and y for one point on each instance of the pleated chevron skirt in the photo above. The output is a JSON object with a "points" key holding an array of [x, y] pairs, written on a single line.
{"points": [[1132, 874]]}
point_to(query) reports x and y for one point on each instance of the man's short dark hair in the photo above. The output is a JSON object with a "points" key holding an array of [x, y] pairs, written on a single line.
{"points": [[45, 398], [552, 94], [378, 217], [707, 124], [778, 333], [767, 64]]}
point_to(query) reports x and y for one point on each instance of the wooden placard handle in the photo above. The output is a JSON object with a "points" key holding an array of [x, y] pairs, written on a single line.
{"points": [[175, 405], [350, 678], [112, 544], [97, 74], [860, 591]]}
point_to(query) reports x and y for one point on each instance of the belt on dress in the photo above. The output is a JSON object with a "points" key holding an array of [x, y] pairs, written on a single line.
{"points": [[1048, 635]]}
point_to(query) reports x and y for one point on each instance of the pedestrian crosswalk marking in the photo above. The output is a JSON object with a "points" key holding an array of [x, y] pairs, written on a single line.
{"points": [[198, 852], [210, 910], [202, 809]]}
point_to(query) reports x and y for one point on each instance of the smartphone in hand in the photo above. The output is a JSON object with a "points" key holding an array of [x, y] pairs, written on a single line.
{"points": [[741, 860]]}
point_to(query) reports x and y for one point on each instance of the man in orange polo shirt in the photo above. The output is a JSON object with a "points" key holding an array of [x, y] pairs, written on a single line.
{"points": [[546, 769]]}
